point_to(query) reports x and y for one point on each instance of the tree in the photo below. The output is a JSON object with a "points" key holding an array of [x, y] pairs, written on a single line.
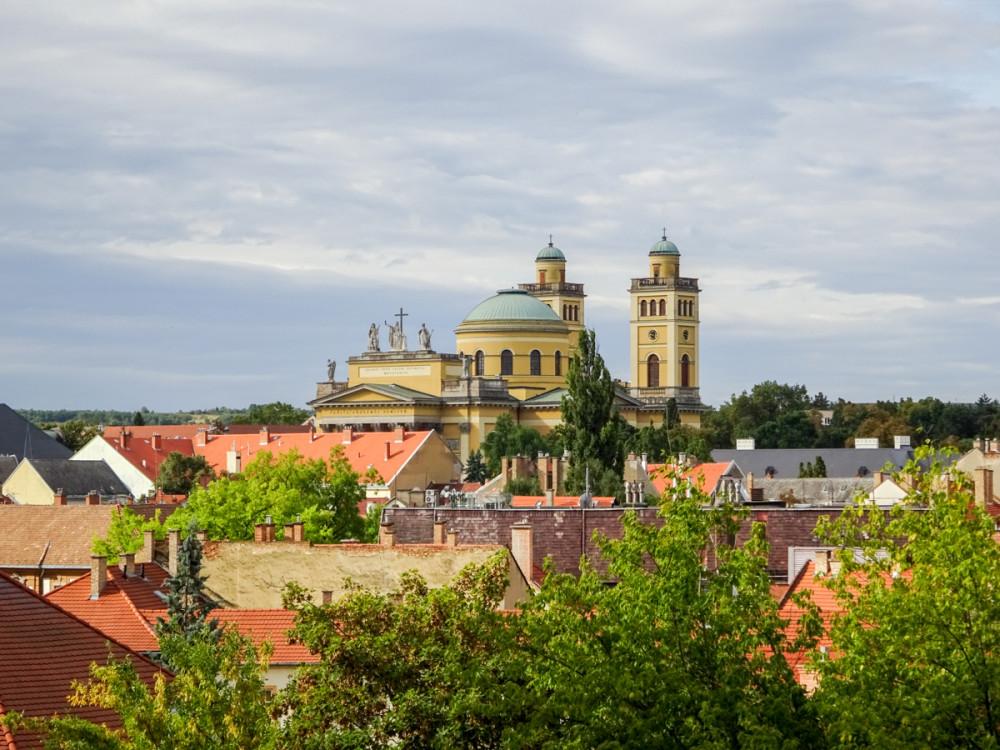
{"points": [[179, 474], [509, 439], [673, 655], [415, 668], [325, 493], [276, 412], [475, 469], [126, 534], [188, 606], [75, 433], [913, 660], [138, 420]]}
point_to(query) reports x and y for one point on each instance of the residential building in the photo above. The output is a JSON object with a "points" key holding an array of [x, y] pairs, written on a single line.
{"points": [[135, 460], [63, 481]]}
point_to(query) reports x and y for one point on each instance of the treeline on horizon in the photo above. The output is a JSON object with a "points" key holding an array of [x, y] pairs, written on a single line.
{"points": [[273, 413]]}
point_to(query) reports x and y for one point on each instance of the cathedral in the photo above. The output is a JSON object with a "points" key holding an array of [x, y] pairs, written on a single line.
{"points": [[513, 352]]}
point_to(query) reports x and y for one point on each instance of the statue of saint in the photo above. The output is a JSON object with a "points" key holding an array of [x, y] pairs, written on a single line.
{"points": [[331, 369], [425, 337], [373, 339], [397, 339], [466, 360]]}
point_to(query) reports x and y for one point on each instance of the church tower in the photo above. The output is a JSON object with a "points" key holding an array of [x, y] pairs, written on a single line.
{"points": [[551, 287], [664, 334]]}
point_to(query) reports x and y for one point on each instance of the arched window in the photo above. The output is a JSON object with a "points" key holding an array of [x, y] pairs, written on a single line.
{"points": [[685, 372], [643, 309], [506, 362], [536, 362], [558, 360], [564, 313], [680, 307], [562, 276], [576, 312], [663, 307], [480, 364], [541, 277], [653, 371]]}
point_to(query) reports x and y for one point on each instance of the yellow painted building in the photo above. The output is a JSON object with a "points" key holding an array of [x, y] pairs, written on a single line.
{"points": [[514, 350]]}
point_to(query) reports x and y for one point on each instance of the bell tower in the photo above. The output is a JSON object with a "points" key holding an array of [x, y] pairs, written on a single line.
{"points": [[664, 336], [565, 299]]}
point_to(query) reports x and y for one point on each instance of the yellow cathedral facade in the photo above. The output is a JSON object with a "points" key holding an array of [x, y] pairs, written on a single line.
{"points": [[513, 352]]}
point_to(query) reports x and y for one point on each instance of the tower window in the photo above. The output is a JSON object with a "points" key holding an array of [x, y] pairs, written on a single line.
{"points": [[685, 372], [536, 362], [558, 362], [541, 277], [663, 307], [564, 313], [576, 312], [506, 362], [562, 275], [653, 371], [480, 364], [643, 309]]}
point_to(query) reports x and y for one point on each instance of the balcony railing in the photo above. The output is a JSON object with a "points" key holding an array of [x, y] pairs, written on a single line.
{"points": [[555, 287], [666, 283]]}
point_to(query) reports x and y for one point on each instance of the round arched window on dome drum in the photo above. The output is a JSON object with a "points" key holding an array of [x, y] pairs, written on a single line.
{"points": [[558, 363], [506, 362], [536, 362], [685, 372], [480, 364], [653, 371]]}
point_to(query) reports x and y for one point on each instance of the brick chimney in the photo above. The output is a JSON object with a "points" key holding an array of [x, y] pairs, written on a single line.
{"points": [[388, 451], [521, 548], [156, 441], [264, 532], [327, 597], [201, 438], [977, 444], [983, 479], [234, 461], [145, 555], [126, 563], [451, 538], [173, 547], [822, 559], [125, 439], [98, 575], [59, 498], [347, 435], [550, 498], [93, 497], [265, 435], [399, 434], [387, 535], [878, 477], [994, 446], [439, 532]]}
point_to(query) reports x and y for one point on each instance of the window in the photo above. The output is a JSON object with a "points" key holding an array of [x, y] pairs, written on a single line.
{"points": [[685, 372], [562, 276], [663, 307], [541, 277], [642, 309], [506, 362], [653, 371], [558, 365], [480, 363], [536, 362], [564, 313]]}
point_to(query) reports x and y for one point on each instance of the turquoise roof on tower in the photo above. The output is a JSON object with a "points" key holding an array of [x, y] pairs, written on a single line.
{"points": [[511, 304], [551, 252], [664, 247]]}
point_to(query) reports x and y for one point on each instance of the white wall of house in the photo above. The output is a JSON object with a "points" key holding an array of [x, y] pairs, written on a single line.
{"points": [[132, 477]]}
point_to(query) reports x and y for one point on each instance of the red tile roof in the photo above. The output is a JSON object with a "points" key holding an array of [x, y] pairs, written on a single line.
{"points": [[366, 449], [145, 432], [43, 650], [268, 625], [704, 476], [143, 456], [560, 501]]}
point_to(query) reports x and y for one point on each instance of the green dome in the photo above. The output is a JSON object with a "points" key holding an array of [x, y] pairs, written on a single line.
{"points": [[511, 304], [550, 253], [664, 247]]}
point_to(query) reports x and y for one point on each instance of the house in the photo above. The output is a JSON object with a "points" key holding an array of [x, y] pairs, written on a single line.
{"points": [[136, 460], [46, 546], [44, 650], [721, 481], [252, 575], [985, 454], [63, 481], [22, 439], [406, 461]]}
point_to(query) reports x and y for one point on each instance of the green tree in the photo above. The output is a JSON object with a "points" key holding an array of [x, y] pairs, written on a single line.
{"points": [[126, 534], [673, 655], [276, 412], [414, 668], [138, 420], [325, 493], [509, 439], [475, 469], [914, 660], [179, 474], [75, 433], [188, 605], [771, 413]]}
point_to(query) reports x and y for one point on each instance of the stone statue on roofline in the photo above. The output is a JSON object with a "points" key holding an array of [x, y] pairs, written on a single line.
{"points": [[373, 339], [331, 369], [424, 336]]}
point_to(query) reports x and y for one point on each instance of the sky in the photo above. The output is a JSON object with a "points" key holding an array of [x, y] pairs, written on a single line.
{"points": [[201, 202]]}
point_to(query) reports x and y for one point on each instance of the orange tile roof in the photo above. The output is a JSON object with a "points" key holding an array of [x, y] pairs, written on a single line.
{"points": [[43, 650], [143, 456], [145, 432], [560, 501], [704, 476], [268, 625], [116, 611], [366, 449], [52, 535]]}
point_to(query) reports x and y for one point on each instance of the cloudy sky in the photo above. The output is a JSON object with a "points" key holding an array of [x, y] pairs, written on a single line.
{"points": [[202, 201]]}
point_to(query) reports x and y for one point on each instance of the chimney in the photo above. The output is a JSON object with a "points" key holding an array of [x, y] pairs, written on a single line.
{"points": [[173, 546], [93, 497], [983, 479], [59, 498], [387, 535], [156, 442], [878, 477], [822, 559], [451, 538], [901, 441], [234, 462], [977, 444], [550, 498], [298, 530], [202, 536], [145, 555], [682, 459], [125, 439], [98, 575], [347, 435], [749, 482], [264, 532], [265, 435], [439, 532], [201, 438], [126, 562], [645, 461], [327, 597], [312, 432], [521, 548], [399, 434], [388, 450], [994, 446]]}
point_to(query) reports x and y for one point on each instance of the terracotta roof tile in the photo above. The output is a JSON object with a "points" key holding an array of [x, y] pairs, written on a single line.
{"points": [[560, 501], [704, 476], [58, 536], [144, 456]]}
